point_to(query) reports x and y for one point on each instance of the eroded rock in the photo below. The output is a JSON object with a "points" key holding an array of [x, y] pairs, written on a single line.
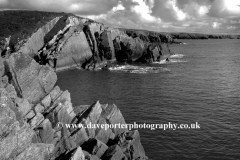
{"points": [[113, 153], [78, 155], [94, 147], [29, 121], [36, 152], [31, 80]]}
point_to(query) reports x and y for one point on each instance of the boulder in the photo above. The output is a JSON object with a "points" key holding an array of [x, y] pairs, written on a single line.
{"points": [[88, 156], [113, 153], [30, 80], [47, 78], [15, 143], [80, 136], [114, 116], [4, 81], [61, 109], [39, 108], [55, 92], [24, 106], [59, 115], [7, 121], [130, 143], [90, 117], [64, 144], [78, 155], [104, 134], [36, 120], [46, 132], [29, 115], [79, 110], [11, 91], [94, 147], [46, 102], [36, 152]]}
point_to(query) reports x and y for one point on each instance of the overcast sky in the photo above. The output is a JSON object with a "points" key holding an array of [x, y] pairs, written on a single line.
{"points": [[204, 16]]}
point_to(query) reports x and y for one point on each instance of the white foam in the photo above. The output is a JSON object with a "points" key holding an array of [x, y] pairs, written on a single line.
{"points": [[177, 61], [177, 56], [161, 62], [123, 67], [137, 69]]}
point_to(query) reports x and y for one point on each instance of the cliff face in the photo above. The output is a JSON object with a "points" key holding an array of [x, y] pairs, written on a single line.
{"points": [[33, 114], [64, 40]]}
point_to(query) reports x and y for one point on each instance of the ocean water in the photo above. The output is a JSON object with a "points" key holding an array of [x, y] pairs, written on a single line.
{"points": [[201, 83]]}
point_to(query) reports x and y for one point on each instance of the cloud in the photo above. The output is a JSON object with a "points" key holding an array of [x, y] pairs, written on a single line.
{"points": [[144, 9], [233, 21], [119, 7], [216, 25], [194, 9], [84, 7], [225, 8], [231, 28], [168, 11], [3, 2]]}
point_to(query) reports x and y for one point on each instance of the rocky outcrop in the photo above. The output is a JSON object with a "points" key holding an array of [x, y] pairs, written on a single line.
{"points": [[64, 40], [38, 121]]}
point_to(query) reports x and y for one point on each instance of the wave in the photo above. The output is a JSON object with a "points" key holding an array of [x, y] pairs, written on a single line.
{"points": [[177, 61], [161, 62], [137, 69], [177, 56]]}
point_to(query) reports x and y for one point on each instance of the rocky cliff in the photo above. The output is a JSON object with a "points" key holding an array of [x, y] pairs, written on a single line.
{"points": [[37, 119], [64, 40], [34, 113]]}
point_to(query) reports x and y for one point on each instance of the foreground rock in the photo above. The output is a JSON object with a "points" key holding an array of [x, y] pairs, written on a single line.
{"points": [[38, 121]]}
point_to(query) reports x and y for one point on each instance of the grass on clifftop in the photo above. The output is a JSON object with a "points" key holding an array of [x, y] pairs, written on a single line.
{"points": [[21, 24]]}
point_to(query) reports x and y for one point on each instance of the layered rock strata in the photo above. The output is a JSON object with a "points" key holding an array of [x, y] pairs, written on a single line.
{"points": [[34, 113], [65, 40]]}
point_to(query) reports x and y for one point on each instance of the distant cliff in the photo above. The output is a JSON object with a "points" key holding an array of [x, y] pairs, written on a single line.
{"points": [[202, 36], [64, 40], [176, 35]]}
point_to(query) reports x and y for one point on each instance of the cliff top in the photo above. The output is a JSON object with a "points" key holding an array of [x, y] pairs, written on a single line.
{"points": [[24, 22]]}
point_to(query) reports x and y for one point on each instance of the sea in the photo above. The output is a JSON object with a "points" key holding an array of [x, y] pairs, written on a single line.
{"points": [[199, 85]]}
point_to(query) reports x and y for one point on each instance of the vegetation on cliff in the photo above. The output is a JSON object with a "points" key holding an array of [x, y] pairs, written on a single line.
{"points": [[22, 24]]}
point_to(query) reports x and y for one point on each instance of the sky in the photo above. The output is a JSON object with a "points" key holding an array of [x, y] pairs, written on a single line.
{"points": [[198, 16]]}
